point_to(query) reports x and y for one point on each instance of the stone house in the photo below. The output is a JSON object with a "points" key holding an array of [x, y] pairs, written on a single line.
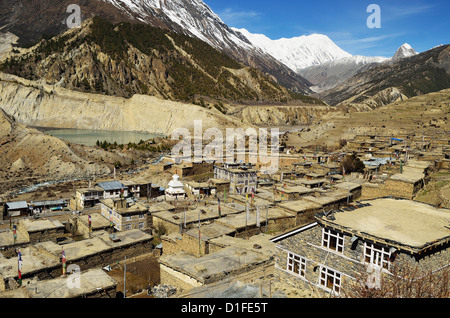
{"points": [[125, 214], [86, 198], [367, 236], [243, 178]]}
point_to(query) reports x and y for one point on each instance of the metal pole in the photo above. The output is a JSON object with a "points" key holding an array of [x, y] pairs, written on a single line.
{"points": [[124, 277], [199, 236], [267, 217]]}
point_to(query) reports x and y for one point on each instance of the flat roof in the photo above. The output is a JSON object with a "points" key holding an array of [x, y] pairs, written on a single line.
{"points": [[210, 231], [347, 185], [260, 242], [308, 181], [240, 220], [98, 221], [160, 206], [409, 175], [196, 184], [211, 267], [131, 207], [257, 200], [33, 260], [95, 245], [328, 197], [297, 189], [90, 281], [219, 181], [300, 205], [406, 222], [40, 225]]}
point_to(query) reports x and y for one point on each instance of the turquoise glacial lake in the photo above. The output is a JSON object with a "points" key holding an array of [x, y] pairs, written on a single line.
{"points": [[89, 137]]}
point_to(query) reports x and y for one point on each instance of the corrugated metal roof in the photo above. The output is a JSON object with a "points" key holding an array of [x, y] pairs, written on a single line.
{"points": [[17, 205], [48, 202], [111, 185]]}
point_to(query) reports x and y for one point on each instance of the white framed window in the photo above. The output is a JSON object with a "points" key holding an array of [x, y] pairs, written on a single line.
{"points": [[141, 225], [128, 218], [127, 227], [330, 279], [296, 264], [377, 255], [141, 216], [333, 240]]}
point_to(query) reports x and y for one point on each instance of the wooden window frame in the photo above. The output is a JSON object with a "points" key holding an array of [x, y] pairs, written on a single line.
{"points": [[296, 264]]}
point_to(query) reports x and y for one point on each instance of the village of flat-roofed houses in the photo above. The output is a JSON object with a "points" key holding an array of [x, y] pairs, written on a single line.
{"points": [[208, 229]]}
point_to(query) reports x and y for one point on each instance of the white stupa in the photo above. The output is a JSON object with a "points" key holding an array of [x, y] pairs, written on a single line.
{"points": [[175, 191]]}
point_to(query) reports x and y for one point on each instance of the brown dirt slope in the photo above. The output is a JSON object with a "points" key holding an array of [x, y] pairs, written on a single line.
{"points": [[28, 155]]}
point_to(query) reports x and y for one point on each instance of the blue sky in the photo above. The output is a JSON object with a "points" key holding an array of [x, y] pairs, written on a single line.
{"points": [[422, 24]]}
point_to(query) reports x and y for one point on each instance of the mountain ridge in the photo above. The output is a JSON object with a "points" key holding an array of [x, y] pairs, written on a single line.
{"points": [[298, 52], [126, 59], [193, 18], [390, 81]]}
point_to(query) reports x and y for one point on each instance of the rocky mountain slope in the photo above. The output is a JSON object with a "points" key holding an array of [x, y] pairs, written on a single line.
{"points": [[31, 19], [330, 74], [127, 59], [404, 51], [395, 80]]}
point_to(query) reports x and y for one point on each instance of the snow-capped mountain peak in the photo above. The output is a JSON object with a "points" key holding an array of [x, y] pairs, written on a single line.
{"points": [[404, 51], [298, 52], [195, 18]]}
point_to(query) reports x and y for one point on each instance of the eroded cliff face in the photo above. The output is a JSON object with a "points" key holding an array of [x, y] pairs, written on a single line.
{"points": [[282, 115], [35, 104]]}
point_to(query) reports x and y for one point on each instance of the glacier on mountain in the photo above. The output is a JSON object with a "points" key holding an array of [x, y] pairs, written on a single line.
{"points": [[298, 52]]}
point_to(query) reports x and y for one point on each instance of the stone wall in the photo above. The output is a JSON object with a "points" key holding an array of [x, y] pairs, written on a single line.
{"points": [[168, 226], [394, 188], [349, 264], [172, 277], [46, 235], [186, 243]]}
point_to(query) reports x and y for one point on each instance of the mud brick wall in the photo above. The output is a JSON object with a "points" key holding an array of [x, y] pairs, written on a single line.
{"points": [[175, 278], [185, 282], [249, 231], [46, 235], [170, 227], [306, 216], [398, 189], [191, 244], [2, 284], [170, 245], [113, 255], [186, 243], [402, 189], [374, 191], [278, 225]]}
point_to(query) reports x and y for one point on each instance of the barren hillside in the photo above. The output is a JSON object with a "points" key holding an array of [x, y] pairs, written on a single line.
{"points": [[426, 114], [29, 156]]}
